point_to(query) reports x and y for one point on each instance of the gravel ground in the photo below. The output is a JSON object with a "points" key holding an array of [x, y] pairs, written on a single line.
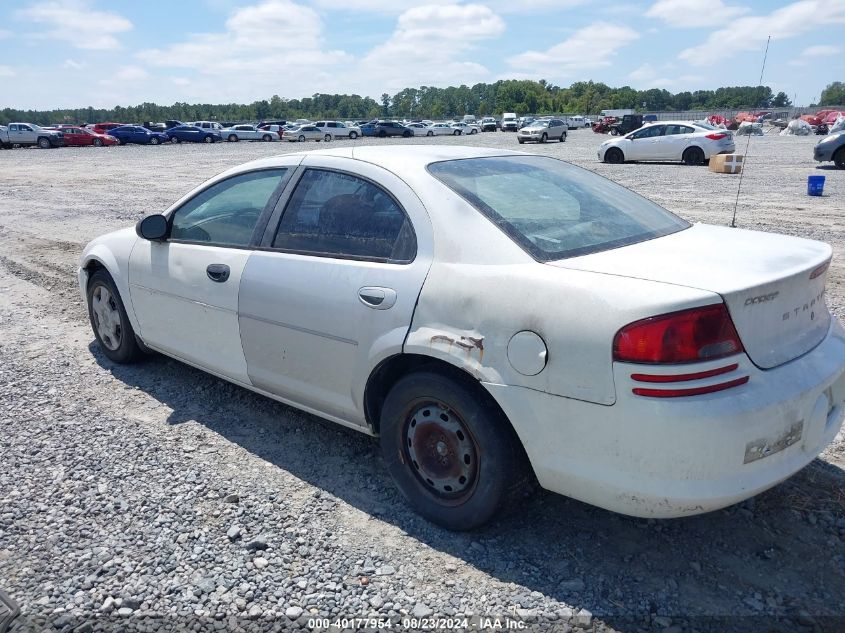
{"points": [[156, 497]]}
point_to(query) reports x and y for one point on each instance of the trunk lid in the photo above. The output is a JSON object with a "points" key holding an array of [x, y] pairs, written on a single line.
{"points": [[773, 285]]}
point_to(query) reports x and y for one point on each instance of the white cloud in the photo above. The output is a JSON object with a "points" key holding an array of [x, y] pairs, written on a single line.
{"points": [[811, 54], [6, 71], [75, 22], [181, 81], [648, 76], [128, 73], [588, 48], [276, 45], [4, 34], [72, 64], [428, 43], [694, 13], [749, 33]]}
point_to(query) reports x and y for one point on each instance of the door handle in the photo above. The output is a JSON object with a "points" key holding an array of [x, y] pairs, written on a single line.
{"points": [[377, 297], [217, 272]]}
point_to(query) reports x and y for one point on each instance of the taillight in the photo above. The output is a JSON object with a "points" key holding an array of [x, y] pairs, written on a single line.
{"points": [[716, 136], [695, 335]]}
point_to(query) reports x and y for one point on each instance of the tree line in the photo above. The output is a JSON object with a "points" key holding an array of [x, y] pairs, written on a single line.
{"points": [[521, 96]]}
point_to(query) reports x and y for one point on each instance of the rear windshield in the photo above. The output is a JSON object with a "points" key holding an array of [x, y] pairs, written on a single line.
{"points": [[552, 209]]}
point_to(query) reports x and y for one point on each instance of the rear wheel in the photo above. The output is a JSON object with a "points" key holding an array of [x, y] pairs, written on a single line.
{"points": [[327, 138], [693, 156], [429, 133], [353, 135], [44, 143], [451, 454], [456, 133], [233, 138], [207, 139], [109, 321], [406, 134], [266, 138], [839, 158], [472, 130], [301, 138], [614, 155], [382, 134]]}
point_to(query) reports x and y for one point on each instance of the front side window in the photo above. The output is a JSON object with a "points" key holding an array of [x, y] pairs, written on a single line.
{"points": [[339, 215], [226, 213], [552, 209]]}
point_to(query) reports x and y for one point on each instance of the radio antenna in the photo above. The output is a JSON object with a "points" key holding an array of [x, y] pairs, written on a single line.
{"points": [[748, 142]]}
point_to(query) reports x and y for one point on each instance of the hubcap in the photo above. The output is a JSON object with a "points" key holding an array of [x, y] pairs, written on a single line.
{"points": [[106, 317], [440, 450]]}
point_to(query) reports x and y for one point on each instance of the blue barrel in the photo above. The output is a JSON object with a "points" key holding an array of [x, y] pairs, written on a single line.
{"points": [[815, 185]]}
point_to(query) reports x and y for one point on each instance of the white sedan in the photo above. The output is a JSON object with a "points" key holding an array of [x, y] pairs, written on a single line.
{"points": [[247, 133], [466, 128], [585, 336], [692, 143]]}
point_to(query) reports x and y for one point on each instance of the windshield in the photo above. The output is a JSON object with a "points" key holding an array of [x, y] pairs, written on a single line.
{"points": [[552, 209]]}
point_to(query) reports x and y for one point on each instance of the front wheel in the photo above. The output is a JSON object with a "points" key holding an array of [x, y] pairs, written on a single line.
{"points": [[233, 138], [154, 141], [614, 156], [563, 138], [207, 139], [382, 134], [301, 138], [454, 458], [456, 133], [111, 326], [353, 135], [174, 140], [839, 158], [98, 142], [327, 138], [544, 138], [429, 133], [614, 131], [266, 138], [693, 156], [44, 143], [473, 131]]}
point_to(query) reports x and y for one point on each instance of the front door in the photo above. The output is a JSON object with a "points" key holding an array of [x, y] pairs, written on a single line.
{"points": [[184, 290], [333, 290], [645, 143]]}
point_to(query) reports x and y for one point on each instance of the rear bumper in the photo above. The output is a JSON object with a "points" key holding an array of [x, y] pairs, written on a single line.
{"points": [[671, 457]]}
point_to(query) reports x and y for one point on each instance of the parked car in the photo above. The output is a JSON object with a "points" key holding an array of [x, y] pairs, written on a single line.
{"points": [[339, 129], [628, 123], [383, 129], [488, 124], [677, 378], [170, 123], [438, 129], [543, 130], [525, 121], [207, 125], [75, 136], [251, 133], [466, 128], [29, 134], [138, 135], [831, 148], [103, 128], [576, 121], [692, 143], [509, 122], [193, 134], [306, 133], [263, 125]]}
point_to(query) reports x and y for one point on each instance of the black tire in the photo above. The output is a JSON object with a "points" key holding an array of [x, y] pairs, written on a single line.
{"points": [[301, 138], [429, 133], [544, 138], [472, 130], [154, 141], [353, 136], [521, 141], [44, 142], [452, 455], [207, 139], [327, 138], [693, 156], [97, 142], [266, 138], [126, 348], [839, 158], [614, 156], [382, 134], [174, 140], [232, 138], [456, 133], [120, 141], [406, 134], [563, 138]]}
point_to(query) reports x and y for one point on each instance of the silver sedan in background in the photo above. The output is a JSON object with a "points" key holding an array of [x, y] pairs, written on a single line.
{"points": [[307, 133], [247, 133]]}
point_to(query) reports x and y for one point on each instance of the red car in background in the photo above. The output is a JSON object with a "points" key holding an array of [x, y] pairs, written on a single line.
{"points": [[103, 128], [76, 136]]}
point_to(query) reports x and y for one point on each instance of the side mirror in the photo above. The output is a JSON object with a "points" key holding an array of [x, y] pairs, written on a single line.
{"points": [[152, 227]]}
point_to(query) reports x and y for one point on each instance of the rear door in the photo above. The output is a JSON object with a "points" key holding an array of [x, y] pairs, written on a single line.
{"points": [[332, 291], [676, 139]]}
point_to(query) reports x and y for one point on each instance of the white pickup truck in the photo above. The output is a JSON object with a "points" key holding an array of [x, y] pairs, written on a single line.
{"points": [[26, 134]]}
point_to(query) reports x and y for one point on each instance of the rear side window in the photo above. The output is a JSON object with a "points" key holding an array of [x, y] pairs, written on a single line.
{"points": [[552, 209], [334, 214], [226, 213]]}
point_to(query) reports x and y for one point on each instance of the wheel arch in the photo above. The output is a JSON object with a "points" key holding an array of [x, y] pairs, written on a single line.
{"points": [[101, 256]]}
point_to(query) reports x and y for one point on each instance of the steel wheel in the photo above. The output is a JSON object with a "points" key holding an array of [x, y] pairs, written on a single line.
{"points": [[441, 450], [106, 316]]}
